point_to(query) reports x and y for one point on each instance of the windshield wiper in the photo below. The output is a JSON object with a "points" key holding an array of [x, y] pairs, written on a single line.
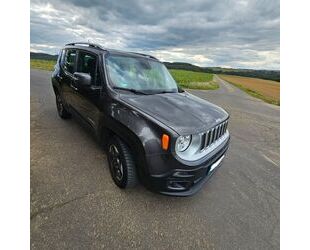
{"points": [[165, 92], [131, 90]]}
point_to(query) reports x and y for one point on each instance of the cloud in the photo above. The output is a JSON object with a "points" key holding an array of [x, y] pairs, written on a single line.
{"points": [[242, 33]]}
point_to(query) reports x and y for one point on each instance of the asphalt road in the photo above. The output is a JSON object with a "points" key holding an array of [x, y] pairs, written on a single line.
{"points": [[75, 205]]}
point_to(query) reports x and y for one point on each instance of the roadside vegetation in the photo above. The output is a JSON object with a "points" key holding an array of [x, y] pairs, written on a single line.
{"points": [[266, 90], [42, 64], [193, 80], [186, 79]]}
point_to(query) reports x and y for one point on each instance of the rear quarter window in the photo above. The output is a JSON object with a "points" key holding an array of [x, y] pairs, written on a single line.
{"points": [[70, 60], [61, 57]]}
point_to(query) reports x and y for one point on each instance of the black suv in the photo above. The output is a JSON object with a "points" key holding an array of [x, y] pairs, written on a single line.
{"points": [[152, 130]]}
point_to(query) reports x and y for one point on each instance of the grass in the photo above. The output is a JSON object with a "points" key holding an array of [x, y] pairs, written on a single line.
{"points": [[193, 80], [257, 95], [42, 64], [268, 91]]}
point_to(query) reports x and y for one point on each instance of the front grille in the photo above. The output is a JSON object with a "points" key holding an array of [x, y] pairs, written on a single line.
{"points": [[213, 134]]}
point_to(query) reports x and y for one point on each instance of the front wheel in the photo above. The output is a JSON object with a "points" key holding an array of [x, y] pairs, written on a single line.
{"points": [[121, 163], [62, 111]]}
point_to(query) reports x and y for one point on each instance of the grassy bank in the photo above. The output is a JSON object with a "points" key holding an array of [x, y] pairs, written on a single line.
{"points": [[186, 79], [266, 90]]}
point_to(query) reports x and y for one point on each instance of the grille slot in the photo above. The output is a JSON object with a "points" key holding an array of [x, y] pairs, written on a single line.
{"points": [[213, 134], [204, 139], [222, 129], [218, 132], [209, 138]]}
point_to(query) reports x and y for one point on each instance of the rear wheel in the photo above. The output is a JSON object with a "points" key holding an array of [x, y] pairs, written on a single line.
{"points": [[121, 163], [62, 111]]}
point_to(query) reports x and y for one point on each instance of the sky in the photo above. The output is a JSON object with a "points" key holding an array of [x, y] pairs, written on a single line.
{"points": [[209, 33]]}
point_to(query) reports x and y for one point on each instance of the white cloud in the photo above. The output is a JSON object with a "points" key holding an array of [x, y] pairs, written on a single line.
{"points": [[204, 32]]}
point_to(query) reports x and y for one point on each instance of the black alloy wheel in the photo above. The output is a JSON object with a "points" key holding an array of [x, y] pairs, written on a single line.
{"points": [[121, 163]]}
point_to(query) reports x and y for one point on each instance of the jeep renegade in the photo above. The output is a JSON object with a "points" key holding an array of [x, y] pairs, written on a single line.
{"points": [[151, 129]]}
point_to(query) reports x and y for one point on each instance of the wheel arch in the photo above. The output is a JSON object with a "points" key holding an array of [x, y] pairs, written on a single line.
{"points": [[114, 128]]}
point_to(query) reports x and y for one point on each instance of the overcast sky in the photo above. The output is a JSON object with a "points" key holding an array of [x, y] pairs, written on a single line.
{"points": [[227, 33]]}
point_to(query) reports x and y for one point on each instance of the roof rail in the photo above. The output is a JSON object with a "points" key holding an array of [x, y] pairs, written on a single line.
{"points": [[141, 54], [93, 45]]}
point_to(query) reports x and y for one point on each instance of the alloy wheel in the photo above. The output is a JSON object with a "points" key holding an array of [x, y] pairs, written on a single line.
{"points": [[116, 164]]}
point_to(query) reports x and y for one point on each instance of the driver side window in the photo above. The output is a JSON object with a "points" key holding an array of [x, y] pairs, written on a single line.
{"points": [[87, 63]]}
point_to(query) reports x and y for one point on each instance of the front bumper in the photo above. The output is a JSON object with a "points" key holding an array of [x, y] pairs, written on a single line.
{"points": [[183, 180]]}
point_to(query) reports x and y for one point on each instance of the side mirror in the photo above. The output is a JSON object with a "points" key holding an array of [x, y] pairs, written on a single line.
{"points": [[180, 90], [82, 79]]}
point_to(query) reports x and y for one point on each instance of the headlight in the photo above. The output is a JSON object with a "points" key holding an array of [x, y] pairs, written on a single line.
{"points": [[187, 146], [183, 142], [192, 147]]}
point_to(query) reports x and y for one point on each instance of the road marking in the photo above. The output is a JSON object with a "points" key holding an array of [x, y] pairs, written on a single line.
{"points": [[268, 159]]}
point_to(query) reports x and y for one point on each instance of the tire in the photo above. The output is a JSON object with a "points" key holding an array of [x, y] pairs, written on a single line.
{"points": [[121, 164], [62, 111]]}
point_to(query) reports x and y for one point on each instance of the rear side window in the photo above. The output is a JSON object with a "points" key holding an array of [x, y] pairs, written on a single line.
{"points": [[59, 56], [69, 61], [62, 57], [88, 63]]}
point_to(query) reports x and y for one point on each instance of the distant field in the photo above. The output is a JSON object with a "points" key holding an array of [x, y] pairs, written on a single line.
{"points": [[267, 90], [186, 79], [42, 64], [193, 80]]}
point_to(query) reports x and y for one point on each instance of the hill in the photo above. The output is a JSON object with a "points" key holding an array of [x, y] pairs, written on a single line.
{"points": [[263, 74], [43, 56]]}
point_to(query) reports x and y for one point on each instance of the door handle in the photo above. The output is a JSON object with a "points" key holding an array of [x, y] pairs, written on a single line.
{"points": [[75, 88]]}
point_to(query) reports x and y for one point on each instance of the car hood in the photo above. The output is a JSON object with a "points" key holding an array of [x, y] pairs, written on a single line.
{"points": [[182, 112]]}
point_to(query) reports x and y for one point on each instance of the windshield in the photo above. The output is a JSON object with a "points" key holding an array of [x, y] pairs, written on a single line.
{"points": [[139, 74]]}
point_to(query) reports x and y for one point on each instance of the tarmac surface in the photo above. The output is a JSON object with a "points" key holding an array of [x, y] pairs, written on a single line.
{"points": [[75, 204]]}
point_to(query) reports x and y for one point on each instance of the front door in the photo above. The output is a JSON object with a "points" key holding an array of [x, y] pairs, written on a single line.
{"points": [[67, 79], [87, 98]]}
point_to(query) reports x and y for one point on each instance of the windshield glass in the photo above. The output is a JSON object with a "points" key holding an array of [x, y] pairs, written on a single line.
{"points": [[139, 74]]}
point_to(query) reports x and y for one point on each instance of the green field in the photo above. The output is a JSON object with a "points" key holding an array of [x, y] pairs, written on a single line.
{"points": [[186, 79], [193, 80], [42, 64]]}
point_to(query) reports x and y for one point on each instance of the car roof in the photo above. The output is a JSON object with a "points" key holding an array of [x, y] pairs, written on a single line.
{"points": [[96, 48]]}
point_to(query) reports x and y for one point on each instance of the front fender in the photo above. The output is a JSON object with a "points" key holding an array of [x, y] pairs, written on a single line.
{"points": [[141, 134]]}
